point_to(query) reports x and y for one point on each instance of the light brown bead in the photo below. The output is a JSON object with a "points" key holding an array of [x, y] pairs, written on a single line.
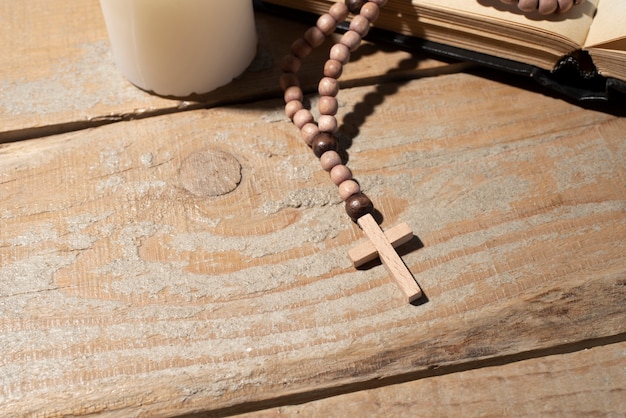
{"points": [[314, 36], [301, 48], [290, 63], [360, 25], [348, 188], [351, 39], [309, 132], [329, 160], [327, 24], [302, 117], [370, 11], [292, 107], [333, 69], [328, 105], [341, 53], [293, 93], [327, 123], [328, 87], [339, 11], [339, 174]]}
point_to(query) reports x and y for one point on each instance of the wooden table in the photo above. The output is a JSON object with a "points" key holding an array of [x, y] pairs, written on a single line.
{"points": [[133, 283]]}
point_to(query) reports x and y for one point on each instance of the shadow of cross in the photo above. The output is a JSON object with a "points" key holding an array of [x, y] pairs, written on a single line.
{"points": [[382, 245]]}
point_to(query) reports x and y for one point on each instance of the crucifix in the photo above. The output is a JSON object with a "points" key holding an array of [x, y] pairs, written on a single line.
{"points": [[382, 245]]}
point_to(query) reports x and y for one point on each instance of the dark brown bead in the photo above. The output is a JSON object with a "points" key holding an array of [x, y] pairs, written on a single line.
{"points": [[358, 205], [324, 142], [355, 6]]}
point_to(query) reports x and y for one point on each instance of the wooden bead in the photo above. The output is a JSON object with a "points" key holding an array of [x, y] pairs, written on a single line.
{"points": [[290, 63], [301, 48], [351, 39], [292, 107], [302, 117], [341, 53], [314, 36], [339, 174], [309, 132], [360, 25], [327, 123], [330, 159], [289, 80], [370, 11], [348, 188], [354, 6], [358, 205], [328, 105], [333, 68], [327, 24], [339, 11], [293, 93], [322, 143], [328, 87]]}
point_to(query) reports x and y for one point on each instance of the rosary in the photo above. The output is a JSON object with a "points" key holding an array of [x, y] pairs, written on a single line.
{"points": [[320, 135]]}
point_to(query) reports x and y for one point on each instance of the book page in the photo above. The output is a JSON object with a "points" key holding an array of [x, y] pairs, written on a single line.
{"points": [[609, 26], [572, 25]]}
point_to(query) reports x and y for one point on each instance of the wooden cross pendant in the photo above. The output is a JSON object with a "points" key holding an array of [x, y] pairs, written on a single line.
{"points": [[382, 245]]}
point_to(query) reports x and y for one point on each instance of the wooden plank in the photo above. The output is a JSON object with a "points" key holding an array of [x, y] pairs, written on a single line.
{"points": [[591, 382], [131, 284], [57, 72]]}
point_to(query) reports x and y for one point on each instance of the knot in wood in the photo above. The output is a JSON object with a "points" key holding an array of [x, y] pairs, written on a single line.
{"points": [[210, 173]]}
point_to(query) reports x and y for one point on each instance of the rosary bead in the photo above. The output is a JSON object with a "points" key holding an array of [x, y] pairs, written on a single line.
{"points": [[302, 117], [333, 68], [358, 205], [322, 143], [348, 188], [339, 11], [293, 93], [370, 11], [341, 53], [292, 107], [290, 64], [354, 6], [351, 39], [309, 132], [328, 105], [301, 48], [330, 159], [289, 80], [360, 25], [328, 123], [314, 36], [328, 87], [327, 24], [339, 174]]}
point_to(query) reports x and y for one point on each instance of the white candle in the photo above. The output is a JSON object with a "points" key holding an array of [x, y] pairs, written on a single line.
{"points": [[180, 47]]}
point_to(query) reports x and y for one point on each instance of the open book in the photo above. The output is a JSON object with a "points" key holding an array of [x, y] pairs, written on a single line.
{"points": [[595, 28]]}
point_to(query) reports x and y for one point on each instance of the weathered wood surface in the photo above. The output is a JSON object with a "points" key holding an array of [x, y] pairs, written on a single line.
{"points": [[197, 261], [133, 283], [57, 71], [584, 383]]}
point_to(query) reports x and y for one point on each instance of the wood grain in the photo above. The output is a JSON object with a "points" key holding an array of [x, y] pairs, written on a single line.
{"points": [[126, 292], [585, 383], [57, 72]]}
